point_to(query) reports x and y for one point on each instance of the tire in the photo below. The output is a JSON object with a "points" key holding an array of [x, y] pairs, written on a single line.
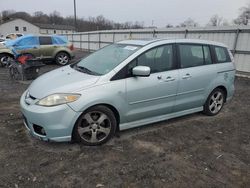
{"points": [[95, 126], [4, 60], [62, 58], [215, 102]]}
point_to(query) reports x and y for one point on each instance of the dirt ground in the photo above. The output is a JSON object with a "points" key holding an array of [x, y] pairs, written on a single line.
{"points": [[192, 151]]}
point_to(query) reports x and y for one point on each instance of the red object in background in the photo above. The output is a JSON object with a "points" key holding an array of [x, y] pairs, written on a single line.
{"points": [[23, 58], [71, 47]]}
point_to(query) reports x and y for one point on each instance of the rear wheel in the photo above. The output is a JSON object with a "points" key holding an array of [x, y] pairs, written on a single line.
{"points": [[96, 126], [215, 102], [62, 58]]}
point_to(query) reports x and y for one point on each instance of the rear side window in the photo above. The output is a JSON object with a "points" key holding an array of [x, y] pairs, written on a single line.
{"points": [[45, 40], [221, 54], [207, 55], [191, 55]]}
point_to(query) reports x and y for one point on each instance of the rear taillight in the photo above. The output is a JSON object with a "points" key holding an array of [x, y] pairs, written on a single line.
{"points": [[71, 47]]}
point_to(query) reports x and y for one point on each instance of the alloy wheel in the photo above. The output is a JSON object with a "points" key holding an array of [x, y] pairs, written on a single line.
{"points": [[95, 126], [216, 102]]}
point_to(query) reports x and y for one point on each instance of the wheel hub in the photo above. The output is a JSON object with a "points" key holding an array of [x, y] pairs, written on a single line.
{"points": [[94, 126]]}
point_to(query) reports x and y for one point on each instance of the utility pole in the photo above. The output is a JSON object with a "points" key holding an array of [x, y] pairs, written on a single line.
{"points": [[75, 14]]}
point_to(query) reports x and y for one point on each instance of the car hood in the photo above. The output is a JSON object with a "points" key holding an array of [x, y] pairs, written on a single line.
{"points": [[62, 80]]}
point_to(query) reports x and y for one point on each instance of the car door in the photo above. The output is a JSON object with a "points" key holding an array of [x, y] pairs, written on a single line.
{"points": [[46, 47], [196, 73], [28, 45], [153, 95]]}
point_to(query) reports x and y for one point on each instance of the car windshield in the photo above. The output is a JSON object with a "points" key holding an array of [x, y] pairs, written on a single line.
{"points": [[104, 60]]}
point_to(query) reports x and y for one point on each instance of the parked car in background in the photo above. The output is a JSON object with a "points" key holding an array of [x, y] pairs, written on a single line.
{"points": [[129, 84], [47, 48], [5, 55], [10, 36]]}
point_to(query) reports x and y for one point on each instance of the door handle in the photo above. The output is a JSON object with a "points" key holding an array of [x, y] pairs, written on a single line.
{"points": [[159, 77], [169, 79], [186, 76]]}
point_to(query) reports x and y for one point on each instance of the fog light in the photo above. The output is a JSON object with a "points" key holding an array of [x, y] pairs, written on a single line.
{"points": [[39, 129]]}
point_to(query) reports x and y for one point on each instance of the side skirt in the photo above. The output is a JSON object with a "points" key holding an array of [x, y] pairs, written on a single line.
{"points": [[158, 118]]}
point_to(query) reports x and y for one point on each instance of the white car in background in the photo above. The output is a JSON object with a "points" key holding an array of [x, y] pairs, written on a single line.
{"points": [[10, 36]]}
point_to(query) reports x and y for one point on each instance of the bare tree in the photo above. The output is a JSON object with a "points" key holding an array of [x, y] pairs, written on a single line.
{"points": [[189, 23], [244, 16], [215, 20], [169, 26]]}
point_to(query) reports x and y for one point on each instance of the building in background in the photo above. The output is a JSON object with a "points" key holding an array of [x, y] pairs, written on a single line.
{"points": [[22, 26]]}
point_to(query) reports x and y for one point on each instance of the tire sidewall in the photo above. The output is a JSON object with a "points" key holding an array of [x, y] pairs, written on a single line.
{"points": [[106, 111], [207, 111], [60, 53]]}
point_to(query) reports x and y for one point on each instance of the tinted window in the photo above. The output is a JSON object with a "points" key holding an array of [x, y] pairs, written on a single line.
{"points": [[158, 59], [207, 55], [45, 40], [191, 55], [221, 54]]}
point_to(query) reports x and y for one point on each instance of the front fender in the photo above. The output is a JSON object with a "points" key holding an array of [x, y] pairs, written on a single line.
{"points": [[111, 93]]}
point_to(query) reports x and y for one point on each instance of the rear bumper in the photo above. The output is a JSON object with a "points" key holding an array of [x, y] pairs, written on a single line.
{"points": [[57, 121]]}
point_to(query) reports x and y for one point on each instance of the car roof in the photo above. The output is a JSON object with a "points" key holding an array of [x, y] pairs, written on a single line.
{"points": [[144, 42]]}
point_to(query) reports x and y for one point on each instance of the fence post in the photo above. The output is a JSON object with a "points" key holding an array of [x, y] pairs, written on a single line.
{"points": [[154, 33], [236, 41], [186, 33], [99, 40], [114, 37], [130, 35], [81, 41], [88, 43]]}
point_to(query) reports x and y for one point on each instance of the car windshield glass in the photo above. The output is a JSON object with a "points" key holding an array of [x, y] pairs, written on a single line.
{"points": [[104, 60]]}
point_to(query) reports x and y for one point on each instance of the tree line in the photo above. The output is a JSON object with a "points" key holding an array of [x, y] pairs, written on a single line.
{"points": [[102, 23], [83, 24]]}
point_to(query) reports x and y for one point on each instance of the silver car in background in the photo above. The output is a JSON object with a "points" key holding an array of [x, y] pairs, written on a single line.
{"points": [[128, 84]]}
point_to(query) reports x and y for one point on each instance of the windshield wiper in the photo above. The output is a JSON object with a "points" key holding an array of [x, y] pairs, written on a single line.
{"points": [[85, 70]]}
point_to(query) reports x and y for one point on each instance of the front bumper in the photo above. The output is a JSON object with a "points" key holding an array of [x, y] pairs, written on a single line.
{"points": [[57, 121]]}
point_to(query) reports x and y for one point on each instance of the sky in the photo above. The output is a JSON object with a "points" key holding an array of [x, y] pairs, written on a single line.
{"points": [[156, 12]]}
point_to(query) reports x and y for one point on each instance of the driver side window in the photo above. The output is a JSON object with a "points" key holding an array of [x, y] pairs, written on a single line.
{"points": [[159, 59]]}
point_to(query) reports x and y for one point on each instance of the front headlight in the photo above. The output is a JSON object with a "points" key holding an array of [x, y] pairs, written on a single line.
{"points": [[57, 99]]}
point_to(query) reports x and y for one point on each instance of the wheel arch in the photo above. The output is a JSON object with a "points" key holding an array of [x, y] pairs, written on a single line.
{"points": [[224, 89], [6, 53], [111, 107], [64, 51]]}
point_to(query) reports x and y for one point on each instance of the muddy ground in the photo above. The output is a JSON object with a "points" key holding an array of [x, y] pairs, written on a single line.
{"points": [[192, 151]]}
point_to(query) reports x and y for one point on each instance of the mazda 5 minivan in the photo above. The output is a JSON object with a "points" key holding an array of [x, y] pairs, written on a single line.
{"points": [[128, 84]]}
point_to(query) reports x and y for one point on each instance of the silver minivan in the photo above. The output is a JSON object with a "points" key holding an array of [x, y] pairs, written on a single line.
{"points": [[128, 84]]}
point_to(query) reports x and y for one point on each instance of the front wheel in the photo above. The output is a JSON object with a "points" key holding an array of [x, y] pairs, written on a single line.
{"points": [[215, 102], [5, 59], [62, 58], [96, 126]]}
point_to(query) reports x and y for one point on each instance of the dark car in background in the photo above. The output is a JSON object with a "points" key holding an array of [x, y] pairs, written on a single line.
{"points": [[46, 47]]}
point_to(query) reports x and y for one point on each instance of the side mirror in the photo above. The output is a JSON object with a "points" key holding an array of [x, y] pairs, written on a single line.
{"points": [[142, 71]]}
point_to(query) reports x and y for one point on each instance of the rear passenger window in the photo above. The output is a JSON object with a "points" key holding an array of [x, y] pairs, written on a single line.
{"points": [[45, 40], [221, 54], [158, 59], [207, 55], [191, 55]]}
